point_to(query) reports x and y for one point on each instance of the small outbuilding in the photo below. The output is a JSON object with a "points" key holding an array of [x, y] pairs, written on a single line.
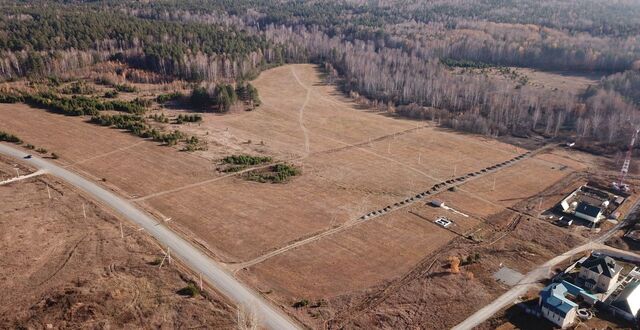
{"points": [[437, 203]]}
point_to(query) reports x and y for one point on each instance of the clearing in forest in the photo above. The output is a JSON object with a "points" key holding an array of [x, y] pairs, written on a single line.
{"points": [[352, 161]]}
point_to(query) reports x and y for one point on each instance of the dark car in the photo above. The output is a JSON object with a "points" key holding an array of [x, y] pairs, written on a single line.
{"points": [[27, 157]]}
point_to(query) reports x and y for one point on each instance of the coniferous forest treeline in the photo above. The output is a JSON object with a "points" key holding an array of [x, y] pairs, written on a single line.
{"points": [[397, 54]]}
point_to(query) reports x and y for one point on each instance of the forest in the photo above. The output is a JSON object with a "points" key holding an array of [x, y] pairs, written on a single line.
{"points": [[426, 60]]}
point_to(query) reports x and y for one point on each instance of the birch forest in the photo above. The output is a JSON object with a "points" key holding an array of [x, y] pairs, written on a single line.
{"points": [[446, 61]]}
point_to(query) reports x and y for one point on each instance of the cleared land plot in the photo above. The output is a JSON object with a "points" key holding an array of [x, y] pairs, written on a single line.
{"points": [[350, 261], [70, 137], [59, 270], [128, 163], [240, 220], [567, 81], [461, 224], [339, 183], [517, 183], [443, 154]]}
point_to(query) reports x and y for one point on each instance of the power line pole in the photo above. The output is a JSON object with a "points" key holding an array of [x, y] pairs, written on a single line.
{"points": [[121, 231], [84, 212], [48, 191], [540, 205]]}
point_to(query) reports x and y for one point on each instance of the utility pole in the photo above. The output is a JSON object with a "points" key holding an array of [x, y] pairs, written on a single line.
{"points": [[389, 147], [419, 158], [494, 183], [540, 206], [121, 231], [48, 191], [17, 171], [201, 287], [84, 212]]}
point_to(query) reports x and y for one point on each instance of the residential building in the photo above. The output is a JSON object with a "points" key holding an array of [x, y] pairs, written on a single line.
{"points": [[588, 212], [599, 273], [559, 302]]}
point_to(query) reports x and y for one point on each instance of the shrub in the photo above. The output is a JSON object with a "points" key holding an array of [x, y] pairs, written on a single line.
{"points": [[190, 291], [78, 87], [10, 98], [124, 88], [300, 303], [161, 118], [54, 155], [278, 173], [193, 144], [164, 98], [41, 150], [9, 138], [246, 160], [188, 118], [111, 94]]}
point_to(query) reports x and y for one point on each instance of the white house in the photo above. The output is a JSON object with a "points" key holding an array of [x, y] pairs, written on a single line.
{"points": [[557, 305], [599, 273], [588, 212]]}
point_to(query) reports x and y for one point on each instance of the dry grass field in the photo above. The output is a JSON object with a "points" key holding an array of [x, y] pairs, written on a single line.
{"points": [[129, 164], [567, 81], [60, 270], [352, 160]]}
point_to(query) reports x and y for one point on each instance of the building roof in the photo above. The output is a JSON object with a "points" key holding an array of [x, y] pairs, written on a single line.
{"points": [[587, 209], [629, 299], [554, 297], [601, 265]]}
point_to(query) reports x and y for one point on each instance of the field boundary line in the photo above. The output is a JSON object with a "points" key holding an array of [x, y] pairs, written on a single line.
{"points": [[437, 188], [104, 154]]}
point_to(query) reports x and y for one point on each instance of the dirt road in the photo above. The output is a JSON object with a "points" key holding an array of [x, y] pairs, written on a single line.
{"points": [[211, 271]]}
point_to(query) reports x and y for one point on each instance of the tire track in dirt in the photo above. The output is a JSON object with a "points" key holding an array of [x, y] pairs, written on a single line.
{"points": [[64, 263], [106, 154], [304, 129]]}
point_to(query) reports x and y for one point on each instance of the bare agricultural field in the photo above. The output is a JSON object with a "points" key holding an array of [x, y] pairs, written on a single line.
{"points": [[350, 261], [127, 163], [356, 161], [70, 137], [60, 270], [352, 161], [518, 183]]}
